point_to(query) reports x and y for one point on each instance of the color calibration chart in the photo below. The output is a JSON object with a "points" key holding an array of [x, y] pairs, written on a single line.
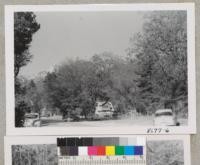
{"points": [[102, 150]]}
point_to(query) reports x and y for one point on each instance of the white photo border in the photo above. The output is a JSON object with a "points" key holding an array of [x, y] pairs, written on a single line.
{"points": [[9, 63]]}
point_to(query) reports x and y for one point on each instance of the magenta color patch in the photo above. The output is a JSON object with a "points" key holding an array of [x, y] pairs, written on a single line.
{"points": [[92, 150]]}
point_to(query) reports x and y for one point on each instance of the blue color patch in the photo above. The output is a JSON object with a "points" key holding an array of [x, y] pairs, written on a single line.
{"points": [[128, 150], [138, 150]]}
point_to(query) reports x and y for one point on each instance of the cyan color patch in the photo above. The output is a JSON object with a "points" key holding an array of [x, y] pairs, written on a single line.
{"points": [[138, 150], [128, 150]]}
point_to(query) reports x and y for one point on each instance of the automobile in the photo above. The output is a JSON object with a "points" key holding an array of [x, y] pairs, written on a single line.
{"points": [[103, 110], [165, 117], [32, 120]]}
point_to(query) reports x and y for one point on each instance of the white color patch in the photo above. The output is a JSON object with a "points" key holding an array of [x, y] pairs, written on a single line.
{"points": [[83, 151]]}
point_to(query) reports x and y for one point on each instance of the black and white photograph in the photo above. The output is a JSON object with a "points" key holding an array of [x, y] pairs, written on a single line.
{"points": [[110, 68], [36, 154], [165, 152]]}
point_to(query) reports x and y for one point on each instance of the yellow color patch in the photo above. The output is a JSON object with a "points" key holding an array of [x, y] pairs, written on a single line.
{"points": [[110, 150]]}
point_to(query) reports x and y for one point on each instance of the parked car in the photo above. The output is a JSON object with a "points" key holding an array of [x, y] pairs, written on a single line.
{"points": [[165, 117], [32, 120]]}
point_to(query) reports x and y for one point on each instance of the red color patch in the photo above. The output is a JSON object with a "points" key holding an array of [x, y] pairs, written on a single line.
{"points": [[101, 150]]}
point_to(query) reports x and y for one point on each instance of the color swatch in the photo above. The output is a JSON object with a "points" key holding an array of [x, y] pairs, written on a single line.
{"points": [[105, 146]]}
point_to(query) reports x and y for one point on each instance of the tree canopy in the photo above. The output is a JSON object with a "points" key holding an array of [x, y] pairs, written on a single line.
{"points": [[25, 25], [160, 56]]}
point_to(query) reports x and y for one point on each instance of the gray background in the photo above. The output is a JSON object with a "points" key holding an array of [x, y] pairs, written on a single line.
{"points": [[195, 139]]}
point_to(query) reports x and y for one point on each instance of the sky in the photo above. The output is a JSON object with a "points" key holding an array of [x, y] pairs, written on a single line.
{"points": [[70, 35]]}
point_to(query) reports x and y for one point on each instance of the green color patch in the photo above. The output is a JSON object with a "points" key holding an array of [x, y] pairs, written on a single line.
{"points": [[119, 150]]}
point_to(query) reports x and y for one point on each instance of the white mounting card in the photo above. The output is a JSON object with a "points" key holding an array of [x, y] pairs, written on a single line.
{"points": [[100, 69]]}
